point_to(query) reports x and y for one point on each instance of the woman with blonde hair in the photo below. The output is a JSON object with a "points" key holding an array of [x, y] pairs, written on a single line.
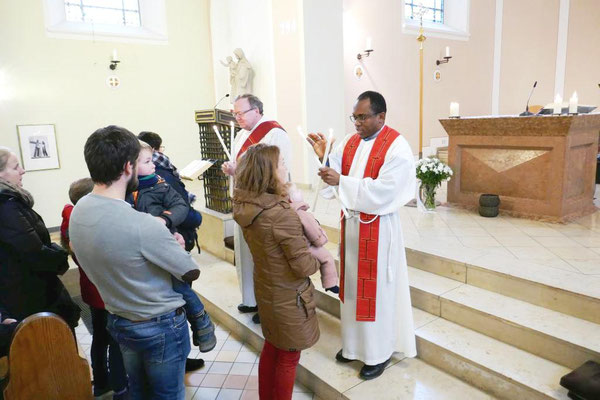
{"points": [[29, 262], [282, 266]]}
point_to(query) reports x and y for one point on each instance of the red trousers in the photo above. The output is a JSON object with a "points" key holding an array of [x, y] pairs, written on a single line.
{"points": [[276, 373]]}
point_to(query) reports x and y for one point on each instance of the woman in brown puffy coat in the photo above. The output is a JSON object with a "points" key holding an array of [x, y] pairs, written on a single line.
{"points": [[282, 266]]}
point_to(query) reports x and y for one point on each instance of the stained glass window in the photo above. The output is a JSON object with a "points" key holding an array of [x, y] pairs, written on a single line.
{"points": [[434, 10], [110, 12]]}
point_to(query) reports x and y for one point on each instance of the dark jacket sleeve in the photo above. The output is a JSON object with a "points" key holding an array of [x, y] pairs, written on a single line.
{"points": [[288, 233], [17, 231], [173, 181], [176, 209]]}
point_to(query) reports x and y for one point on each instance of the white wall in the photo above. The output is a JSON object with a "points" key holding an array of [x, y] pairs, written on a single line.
{"points": [[528, 53], [247, 25], [62, 81], [324, 63]]}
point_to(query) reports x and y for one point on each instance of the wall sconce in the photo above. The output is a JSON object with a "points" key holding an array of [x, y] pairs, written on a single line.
{"points": [[368, 51], [444, 59], [114, 61]]}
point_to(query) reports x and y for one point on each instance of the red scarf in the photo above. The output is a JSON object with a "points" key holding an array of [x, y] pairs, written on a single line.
{"points": [[368, 238], [257, 135]]}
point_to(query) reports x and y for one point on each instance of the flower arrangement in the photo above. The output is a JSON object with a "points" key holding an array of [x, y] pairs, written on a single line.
{"points": [[431, 172]]}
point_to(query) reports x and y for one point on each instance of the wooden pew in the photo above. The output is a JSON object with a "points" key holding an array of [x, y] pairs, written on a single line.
{"points": [[43, 362]]}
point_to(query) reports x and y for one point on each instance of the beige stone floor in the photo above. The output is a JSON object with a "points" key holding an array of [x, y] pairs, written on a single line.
{"points": [[464, 235], [230, 371]]}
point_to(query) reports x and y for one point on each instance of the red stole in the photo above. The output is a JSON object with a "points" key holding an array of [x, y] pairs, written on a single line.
{"points": [[258, 134], [368, 238]]}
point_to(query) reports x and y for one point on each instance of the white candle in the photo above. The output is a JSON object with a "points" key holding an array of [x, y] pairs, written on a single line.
{"points": [[447, 51], [222, 142], [114, 55], [573, 103], [369, 43], [557, 104], [454, 107]]}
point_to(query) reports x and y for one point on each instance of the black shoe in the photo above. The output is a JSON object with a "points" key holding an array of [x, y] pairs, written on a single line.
{"points": [[192, 364], [341, 358], [246, 309], [373, 371], [256, 319]]}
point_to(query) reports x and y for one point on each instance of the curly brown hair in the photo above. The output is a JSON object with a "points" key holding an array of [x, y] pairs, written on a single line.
{"points": [[257, 171]]}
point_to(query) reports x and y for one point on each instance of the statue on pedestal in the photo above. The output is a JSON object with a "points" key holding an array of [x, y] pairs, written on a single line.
{"points": [[240, 74]]}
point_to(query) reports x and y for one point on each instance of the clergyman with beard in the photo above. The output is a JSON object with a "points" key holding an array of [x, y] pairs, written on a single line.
{"points": [[130, 257]]}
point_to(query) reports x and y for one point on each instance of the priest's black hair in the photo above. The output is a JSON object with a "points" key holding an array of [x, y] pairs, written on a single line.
{"points": [[377, 101]]}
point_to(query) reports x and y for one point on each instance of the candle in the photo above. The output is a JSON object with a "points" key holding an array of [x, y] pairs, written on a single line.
{"points": [[222, 142], [454, 110], [369, 43], [573, 103], [447, 51], [114, 55], [231, 135], [557, 104]]}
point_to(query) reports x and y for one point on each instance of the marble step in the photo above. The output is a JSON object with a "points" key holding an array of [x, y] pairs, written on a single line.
{"points": [[477, 358], [555, 289], [318, 370], [557, 337], [493, 366]]}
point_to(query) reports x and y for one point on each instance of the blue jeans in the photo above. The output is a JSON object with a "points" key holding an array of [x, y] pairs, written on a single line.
{"points": [[107, 369], [154, 354], [200, 323]]}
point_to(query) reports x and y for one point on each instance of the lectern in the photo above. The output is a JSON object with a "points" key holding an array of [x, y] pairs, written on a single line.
{"points": [[216, 183], [542, 167]]}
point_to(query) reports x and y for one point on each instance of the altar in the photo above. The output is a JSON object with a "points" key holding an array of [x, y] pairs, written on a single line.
{"points": [[542, 167]]}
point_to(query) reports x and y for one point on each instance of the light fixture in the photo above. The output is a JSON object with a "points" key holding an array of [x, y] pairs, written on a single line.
{"points": [[368, 51], [444, 59], [114, 61]]}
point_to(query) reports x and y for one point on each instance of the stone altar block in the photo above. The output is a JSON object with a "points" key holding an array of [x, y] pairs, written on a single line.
{"points": [[542, 167]]}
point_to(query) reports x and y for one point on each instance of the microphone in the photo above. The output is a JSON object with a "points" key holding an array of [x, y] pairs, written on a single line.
{"points": [[220, 100], [526, 112]]}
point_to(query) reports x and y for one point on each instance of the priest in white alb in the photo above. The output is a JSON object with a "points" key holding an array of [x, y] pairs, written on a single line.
{"points": [[248, 112], [374, 174]]}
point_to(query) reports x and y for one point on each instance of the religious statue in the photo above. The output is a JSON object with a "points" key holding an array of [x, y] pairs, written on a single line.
{"points": [[232, 67], [240, 74]]}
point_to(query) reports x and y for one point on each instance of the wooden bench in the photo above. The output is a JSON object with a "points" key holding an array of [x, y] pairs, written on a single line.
{"points": [[43, 362]]}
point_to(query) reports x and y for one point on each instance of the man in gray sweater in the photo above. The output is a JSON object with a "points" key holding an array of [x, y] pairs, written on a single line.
{"points": [[130, 257]]}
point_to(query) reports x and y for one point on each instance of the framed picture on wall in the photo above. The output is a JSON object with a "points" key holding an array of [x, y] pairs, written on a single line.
{"points": [[38, 147]]}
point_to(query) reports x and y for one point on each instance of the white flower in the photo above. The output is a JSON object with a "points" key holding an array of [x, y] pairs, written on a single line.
{"points": [[424, 168]]}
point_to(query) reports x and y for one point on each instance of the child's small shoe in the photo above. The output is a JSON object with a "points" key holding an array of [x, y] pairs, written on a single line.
{"points": [[205, 338], [333, 289]]}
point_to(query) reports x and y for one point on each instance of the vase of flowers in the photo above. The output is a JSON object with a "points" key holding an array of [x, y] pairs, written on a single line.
{"points": [[431, 172]]}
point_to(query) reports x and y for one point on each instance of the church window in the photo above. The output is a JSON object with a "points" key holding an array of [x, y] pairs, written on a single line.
{"points": [[113, 12], [434, 10], [448, 19], [112, 20]]}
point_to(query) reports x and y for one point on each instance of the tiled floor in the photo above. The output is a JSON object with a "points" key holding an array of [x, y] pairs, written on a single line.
{"points": [[230, 372]]}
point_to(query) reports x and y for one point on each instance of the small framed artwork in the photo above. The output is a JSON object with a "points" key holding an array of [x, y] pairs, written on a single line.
{"points": [[38, 147]]}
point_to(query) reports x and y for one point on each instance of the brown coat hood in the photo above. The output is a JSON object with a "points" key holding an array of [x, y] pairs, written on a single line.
{"points": [[247, 206]]}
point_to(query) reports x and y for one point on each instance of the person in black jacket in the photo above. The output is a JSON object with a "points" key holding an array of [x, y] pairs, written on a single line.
{"points": [[29, 261], [166, 170]]}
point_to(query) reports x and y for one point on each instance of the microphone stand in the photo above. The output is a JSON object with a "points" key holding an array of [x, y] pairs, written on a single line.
{"points": [[527, 113]]}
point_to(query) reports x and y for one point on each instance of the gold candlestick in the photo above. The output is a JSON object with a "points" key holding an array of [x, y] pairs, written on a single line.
{"points": [[421, 38]]}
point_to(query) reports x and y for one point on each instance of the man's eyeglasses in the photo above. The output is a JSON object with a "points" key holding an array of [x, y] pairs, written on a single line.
{"points": [[360, 117], [240, 113]]}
